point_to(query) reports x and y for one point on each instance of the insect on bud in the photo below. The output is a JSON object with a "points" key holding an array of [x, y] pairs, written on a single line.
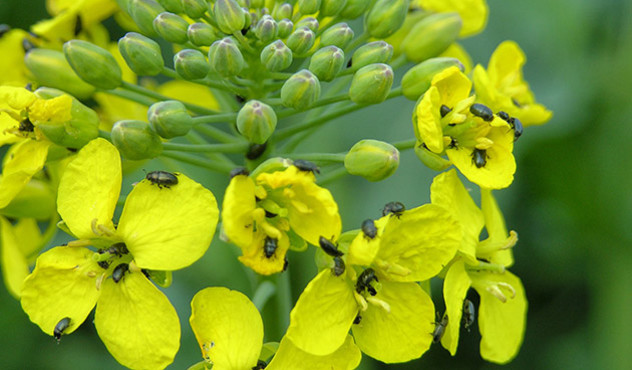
{"points": [[169, 119], [171, 27], [373, 52], [276, 56], [301, 90], [301, 40], [135, 140], [201, 34], [339, 35], [230, 17], [50, 68], [143, 12], [372, 159], [225, 57], [141, 54], [256, 121], [191, 64], [418, 79], [386, 17], [371, 84], [327, 62], [431, 36], [93, 64]]}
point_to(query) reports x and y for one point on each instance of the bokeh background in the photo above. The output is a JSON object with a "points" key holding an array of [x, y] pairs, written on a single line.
{"points": [[571, 201]]}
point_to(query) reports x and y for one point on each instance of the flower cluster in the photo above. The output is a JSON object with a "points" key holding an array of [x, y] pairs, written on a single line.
{"points": [[250, 80]]}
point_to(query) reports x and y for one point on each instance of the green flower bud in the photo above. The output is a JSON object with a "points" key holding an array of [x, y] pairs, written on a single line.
{"points": [[417, 80], [93, 64], [327, 62], [225, 57], [355, 8], [143, 12], [191, 64], [271, 165], [230, 17], [431, 36], [282, 11], [173, 6], [301, 90], [195, 8], [329, 8], [266, 29], [339, 35], [171, 27], [372, 159], [256, 121], [276, 56], [373, 52], [285, 27], [309, 22], [386, 17], [82, 127], [301, 40], [201, 34], [431, 160], [50, 68], [169, 119], [141, 54], [135, 140], [371, 84], [257, 4], [36, 201], [308, 6]]}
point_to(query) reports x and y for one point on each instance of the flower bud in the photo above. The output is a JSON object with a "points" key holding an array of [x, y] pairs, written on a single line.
{"points": [[327, 62], [372, 159], [230, 17], [276, 56], [282, 11], [417, 80], [329, 8], [339, 35], [141, 54], [308, 6], [373, 52], [301, 40], [143, 12], [201, 34], [266, 29], [431, 36], [50, 68], [284, 28], [82, 127], [301, 90], [225, 57], [195, 8], [256, 121], [171, 27], [169, 119], [371, 84], [135, 140], [173, 6], [386, 17], [309, 22], [191, 64], [93, 64], [354, 8], [431, 160]]}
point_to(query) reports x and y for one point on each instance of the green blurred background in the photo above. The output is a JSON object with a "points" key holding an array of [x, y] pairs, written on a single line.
{"points": [[571, 201]]}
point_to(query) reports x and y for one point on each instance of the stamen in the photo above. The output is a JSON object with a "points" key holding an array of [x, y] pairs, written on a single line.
{"points": [[106, 231], [79, 243], [361, 301], [392, 268], [380, 303], [99, 281], [496, 292]]}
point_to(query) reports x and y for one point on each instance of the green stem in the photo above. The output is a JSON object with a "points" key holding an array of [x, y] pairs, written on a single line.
{"points": [[405, 144], [222, 85], [207, 148], [154, 95], [242, 40], [106, 135], [195, 138], [215, 118], [287, 132], [333, 176], [317, 157], [200, 162], [264, 292], [399, 61], [170, 73], [217, 134], [355, 43], [284, 301], [128, 95]]}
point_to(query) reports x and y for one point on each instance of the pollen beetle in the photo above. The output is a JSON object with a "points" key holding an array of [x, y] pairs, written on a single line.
{"points": [[364, 281], [357, 319], [260, 365], [256, 150], [395, 208], [239, 171], [479, 158], [439, 329], [339, 266], [469, 314], [329, 247], [270, 246], [119, 272], [306, 166], [516, 125], [369, 229], [444, 110], [482, 111], [62, 325], [162, 178]]}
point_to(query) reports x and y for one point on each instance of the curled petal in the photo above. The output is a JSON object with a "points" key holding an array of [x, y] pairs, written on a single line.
{"points": [[346, 357], [23, 161], [457, 283], [237, 210]]}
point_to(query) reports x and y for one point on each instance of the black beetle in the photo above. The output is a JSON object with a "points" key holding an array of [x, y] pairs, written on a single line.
{"points": [[329, 247], [26, 125], [482, 111], [119, 272], [357, 319], [339, 266], [62, 325], [469, 314], [256, 150], [444, 110], [78, 25], [260, 365], [516, 125], [479, 157], [395, 208], [306, 166], [162, 178], [239, 171], [364, 281], [270, 246], [117, 249], [439, 329], [369, 229]]}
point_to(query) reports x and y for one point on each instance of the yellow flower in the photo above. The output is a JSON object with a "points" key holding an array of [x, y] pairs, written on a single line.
{"points": [[473, 13], [503, 304], [18, 243], [262, 214], [503, 88], [229, 330], [12, 61], [391, 316], [160, 229]]}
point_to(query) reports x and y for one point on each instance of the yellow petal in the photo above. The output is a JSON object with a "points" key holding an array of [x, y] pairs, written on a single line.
{"points": [[347, 357], [474, 13], [12, 61], [23, 161], [62, 285], [228, 328], [323, 314], [457, 283], [501, 324], [55, 109], [237, 210], [448, 191], [14, 265], [362, 250], [255, 258], [452, 85], [495, 225], [7, 126], [137, 323], [422, 241], [168, 228], [90, 187], [17, 98], [427, 120], [404, 333]]}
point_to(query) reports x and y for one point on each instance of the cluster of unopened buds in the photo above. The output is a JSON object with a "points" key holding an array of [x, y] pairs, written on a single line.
{"points": [[248, 82]]}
